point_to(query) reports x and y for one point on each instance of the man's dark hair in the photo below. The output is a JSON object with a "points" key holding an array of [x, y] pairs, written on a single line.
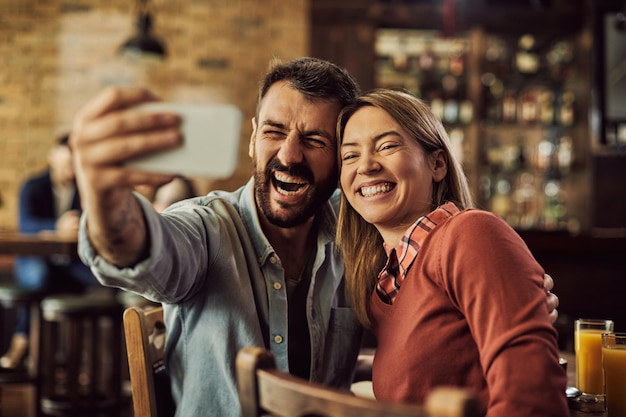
{"points": [[314, 78]]}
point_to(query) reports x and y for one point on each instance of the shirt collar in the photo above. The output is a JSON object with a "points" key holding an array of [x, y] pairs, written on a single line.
{"points": [[414, 237], [400, 258]]}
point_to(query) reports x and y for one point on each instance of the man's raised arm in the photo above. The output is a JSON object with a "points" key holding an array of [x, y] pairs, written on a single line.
{"points": [[108, 132]]}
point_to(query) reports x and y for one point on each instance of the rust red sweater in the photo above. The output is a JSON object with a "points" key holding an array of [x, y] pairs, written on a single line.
{"points": [[471, 312]]}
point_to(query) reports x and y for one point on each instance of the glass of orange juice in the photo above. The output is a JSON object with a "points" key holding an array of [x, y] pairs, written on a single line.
{"points": [[588, 348], [614, 366]]}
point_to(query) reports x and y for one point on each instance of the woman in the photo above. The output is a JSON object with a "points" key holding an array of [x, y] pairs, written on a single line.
{"points": [[452, 293]]}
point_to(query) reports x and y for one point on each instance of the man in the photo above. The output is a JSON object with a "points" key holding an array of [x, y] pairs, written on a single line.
{"points": [[48, 202], [257, 266]]}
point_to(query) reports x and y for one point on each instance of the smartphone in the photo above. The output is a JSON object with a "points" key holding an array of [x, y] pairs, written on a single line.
{"points": [[212, 133]]}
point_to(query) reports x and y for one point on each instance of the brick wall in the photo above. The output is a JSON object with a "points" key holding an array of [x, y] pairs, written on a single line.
{"points": [[56, 54]]}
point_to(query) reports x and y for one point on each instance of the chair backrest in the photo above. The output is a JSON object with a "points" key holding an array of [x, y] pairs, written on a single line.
{"points": [[265, 390], [144, 330]]}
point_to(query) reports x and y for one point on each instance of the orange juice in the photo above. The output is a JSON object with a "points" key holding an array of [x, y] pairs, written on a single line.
{"points": [[614, 365], [588, 346]]}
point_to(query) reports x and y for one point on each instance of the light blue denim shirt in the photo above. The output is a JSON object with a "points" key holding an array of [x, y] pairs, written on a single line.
{"points": [[223, 287]]}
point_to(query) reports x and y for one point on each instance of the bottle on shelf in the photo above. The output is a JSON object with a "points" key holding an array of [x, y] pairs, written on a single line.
{"points": [[524, 193], [456, 60], [526, 88], [450, 86], [509, 106], [527, 60], [566, 108], [466, 111], [500, 203], [497, 55], [527, 106], [555, 195], [565, 154], [559, 59], [544, 154], [545, 106], [437, 105], [493, 88]]}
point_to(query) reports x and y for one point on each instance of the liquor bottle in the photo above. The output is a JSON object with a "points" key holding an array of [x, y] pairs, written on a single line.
{"points": [[527, 107], [466, 111], [451, 110], [509, 106], [546, 106], [566, 109], [527, 60], [559, 59], [493, 93], [497, 56], [524, 197], [456, 62], [555, 214], [427, 60], [501, 200], [545, 151], [450, 85], [565, 154]]}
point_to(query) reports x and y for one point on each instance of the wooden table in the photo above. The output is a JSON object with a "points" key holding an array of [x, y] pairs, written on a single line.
{"points": [[46, 244], [40, 244], [363, 387]]}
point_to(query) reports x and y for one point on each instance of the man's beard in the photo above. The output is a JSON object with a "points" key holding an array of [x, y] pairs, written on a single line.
{"points": [[317, 194]]}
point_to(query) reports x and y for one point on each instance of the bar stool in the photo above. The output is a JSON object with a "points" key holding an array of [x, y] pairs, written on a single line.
{"points": [[12, 380], [82, 339]]}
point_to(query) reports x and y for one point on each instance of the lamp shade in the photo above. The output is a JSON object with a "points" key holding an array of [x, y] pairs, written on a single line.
{"points": [[143, 43]]}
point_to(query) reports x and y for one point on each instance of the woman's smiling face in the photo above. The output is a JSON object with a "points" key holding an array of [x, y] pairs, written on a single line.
{"points": [[386, 175]]}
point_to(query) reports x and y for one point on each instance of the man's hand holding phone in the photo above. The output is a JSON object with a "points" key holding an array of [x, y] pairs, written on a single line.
{"points": [[211, 136], [124, 124]]}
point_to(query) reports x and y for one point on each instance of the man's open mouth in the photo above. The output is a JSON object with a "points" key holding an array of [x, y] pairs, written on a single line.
{"points": [[288, 185]]}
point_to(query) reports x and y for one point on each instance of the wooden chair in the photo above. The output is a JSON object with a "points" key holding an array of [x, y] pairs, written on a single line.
{"points": [[144, 330], [263, 389]]}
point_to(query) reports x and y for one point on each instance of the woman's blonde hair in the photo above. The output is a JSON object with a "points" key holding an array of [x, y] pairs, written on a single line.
{"points": [[359, 242]]}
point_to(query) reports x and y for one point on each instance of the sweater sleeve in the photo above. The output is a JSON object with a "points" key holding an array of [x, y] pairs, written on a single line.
{"points": [[496, 283]]}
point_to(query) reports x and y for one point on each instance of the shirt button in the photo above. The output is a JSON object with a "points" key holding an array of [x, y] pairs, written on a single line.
{"points": [[278, 339], [273, 259], [277, 286]]}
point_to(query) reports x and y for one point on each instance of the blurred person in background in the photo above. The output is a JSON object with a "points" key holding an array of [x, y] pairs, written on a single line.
{"points": [[47, 202], [180, 188]]}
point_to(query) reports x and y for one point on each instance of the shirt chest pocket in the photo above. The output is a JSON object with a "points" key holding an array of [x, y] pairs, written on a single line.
{"points": [[343, 341]]}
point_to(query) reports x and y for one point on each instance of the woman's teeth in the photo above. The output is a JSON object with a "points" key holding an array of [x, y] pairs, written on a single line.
{"points": [[377, 189]]}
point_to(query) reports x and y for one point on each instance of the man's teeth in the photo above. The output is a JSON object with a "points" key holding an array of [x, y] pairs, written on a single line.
{"points": [[377, 189], [282, 177], [288, 185]]}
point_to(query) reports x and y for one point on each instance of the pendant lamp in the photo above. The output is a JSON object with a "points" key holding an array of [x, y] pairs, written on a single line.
{"points": [[143, 44]]}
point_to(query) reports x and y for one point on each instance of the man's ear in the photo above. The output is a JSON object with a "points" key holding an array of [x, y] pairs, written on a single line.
{"points": [[439, 165], [252, 139]]}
